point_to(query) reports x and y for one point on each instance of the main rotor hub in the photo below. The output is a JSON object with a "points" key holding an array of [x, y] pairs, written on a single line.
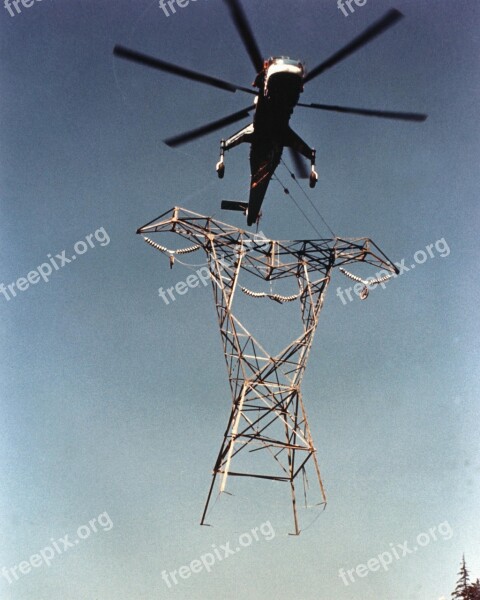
{"points": [[284, 64], [283, 79]]}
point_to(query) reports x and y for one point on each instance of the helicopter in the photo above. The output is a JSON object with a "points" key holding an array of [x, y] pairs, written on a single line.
{"points": [[278, 85]]}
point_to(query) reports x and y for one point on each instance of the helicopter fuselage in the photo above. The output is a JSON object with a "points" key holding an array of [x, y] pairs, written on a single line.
{"points": [[280, 84]]}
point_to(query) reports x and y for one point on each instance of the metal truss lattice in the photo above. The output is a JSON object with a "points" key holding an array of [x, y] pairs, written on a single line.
{"points": [[267, 414]]}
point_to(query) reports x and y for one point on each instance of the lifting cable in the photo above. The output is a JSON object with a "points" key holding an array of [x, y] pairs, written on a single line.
{"points": [[287, 191], [292, 175], [367, 284]]}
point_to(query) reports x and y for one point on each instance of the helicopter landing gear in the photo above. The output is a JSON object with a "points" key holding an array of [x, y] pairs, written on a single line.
{"points": [[313, 174], [220, 167]]}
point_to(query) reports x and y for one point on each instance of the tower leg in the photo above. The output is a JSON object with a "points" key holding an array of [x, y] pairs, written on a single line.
{"points": [[225, 450], [294, 506]]}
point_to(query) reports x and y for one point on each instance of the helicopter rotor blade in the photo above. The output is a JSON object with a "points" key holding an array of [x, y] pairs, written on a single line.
{"points": [[387, 21], [161, 65], [382, 114], [245, 31], [193, 134], [300, 168]]}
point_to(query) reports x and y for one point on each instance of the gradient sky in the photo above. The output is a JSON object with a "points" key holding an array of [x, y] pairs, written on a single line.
{"points": [[114, 402]]}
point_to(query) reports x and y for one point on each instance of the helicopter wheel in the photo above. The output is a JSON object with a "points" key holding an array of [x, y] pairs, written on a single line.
{"points": [[220, 169], [313, 179]]}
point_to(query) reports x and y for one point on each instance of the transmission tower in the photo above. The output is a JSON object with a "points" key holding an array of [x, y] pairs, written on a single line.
{"points": [[268, 414]]}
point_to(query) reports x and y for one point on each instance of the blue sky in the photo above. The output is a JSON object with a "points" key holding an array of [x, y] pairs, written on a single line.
{"points": [[114, 402]]}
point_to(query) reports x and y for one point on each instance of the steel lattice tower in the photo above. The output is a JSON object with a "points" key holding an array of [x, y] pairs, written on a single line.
{"points": [[268, 412]]}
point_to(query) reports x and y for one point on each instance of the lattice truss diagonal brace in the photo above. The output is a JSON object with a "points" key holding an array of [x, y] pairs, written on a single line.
{"points": [[267, 413]]}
